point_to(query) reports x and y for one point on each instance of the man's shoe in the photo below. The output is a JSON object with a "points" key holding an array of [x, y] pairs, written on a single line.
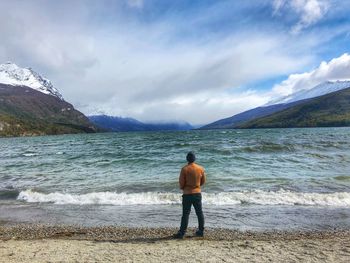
{"points": [[199, 233], [178, 236]]}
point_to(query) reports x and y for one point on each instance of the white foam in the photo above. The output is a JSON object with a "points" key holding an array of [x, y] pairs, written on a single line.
{"points": [[29, 154], [281, 197]]}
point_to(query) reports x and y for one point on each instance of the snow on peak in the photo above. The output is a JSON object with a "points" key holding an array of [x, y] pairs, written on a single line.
{"points": [[319, 90], [12, 74]]}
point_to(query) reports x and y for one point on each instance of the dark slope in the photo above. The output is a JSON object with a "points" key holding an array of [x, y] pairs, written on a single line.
{"points": [[329, 110], [129, 124], [234, 121], [25, 111]]}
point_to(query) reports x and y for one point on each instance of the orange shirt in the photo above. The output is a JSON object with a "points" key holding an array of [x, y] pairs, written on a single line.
{"points": [[191, 178]]}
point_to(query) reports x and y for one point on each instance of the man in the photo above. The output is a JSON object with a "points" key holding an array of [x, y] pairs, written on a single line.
{"points": [[191, 179]]}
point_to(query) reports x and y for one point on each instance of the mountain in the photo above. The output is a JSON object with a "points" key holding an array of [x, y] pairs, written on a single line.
{"points": [[278, 105], [38, 109], [329, 110], [234, 121], [319, 90], [13, 75], [129, 124]]}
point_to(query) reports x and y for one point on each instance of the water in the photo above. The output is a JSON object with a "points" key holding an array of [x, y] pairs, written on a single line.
{"points": [[256, 179]]}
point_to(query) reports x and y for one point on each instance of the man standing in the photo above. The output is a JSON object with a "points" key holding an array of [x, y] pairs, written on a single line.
{"points": [[191, 179]]}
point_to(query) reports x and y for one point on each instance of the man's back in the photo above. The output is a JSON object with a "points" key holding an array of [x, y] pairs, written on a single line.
{"points": [[191, 178]]}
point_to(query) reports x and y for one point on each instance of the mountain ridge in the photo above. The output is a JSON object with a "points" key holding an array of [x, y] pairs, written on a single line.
{"points": [[27, 112], [11, 74], [329, 110], [318, 90], [285, 103], [233, 121], [120, 124]]}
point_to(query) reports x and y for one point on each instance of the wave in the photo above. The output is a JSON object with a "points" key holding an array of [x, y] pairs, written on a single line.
{"points": [[342, 178], [257, 197], [268, 148], [29, 154], [8, 193]]}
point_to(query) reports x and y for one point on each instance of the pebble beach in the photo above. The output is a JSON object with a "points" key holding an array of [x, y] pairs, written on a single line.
{"points": [[44, 243]]}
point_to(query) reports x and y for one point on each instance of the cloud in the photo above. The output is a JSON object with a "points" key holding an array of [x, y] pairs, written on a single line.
{"points": [[135, 3], [215, 66], [148, 81], [336, 69], [278, 5], [199, 108], [154, 60], [309, 11], [30, 36]]}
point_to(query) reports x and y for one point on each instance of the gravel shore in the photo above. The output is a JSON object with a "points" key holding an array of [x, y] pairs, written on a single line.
{"points": [[125, 234], [42, 243]]}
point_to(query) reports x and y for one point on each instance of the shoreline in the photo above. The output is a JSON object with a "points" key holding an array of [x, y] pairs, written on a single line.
{"points": [[38, 243], [145, 234]]}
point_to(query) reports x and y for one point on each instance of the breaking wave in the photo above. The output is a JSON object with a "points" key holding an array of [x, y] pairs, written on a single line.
{"points": [[29, 154], [281, 197]]}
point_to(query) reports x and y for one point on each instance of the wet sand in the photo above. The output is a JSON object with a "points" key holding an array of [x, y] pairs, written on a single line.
{"points": [[37, 243]]}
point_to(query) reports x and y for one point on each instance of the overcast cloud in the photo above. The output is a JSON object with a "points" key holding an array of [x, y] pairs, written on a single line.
{"points": [[336, 69], [175, 60]]}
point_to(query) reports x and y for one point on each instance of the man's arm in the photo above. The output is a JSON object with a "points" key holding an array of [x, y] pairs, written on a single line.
{"points": [[182, 179], [203, 178]]}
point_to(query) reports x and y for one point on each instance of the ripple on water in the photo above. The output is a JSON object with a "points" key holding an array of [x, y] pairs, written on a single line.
{"points": [[342, 178], [268, 148]]}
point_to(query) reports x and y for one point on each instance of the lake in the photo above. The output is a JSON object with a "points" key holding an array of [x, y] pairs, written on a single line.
{"points": [[256, 179]]}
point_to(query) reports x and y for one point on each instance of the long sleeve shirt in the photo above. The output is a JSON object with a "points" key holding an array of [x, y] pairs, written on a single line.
{"points": [[192, 177]]}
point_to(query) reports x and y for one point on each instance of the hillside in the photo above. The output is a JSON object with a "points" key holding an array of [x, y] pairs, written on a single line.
{"points": [[128, 124], [234, 121], [329, 110], [278, 105], [25, 112]]}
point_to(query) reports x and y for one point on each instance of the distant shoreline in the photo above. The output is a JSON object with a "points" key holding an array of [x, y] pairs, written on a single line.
{"points": [[169, 131]]}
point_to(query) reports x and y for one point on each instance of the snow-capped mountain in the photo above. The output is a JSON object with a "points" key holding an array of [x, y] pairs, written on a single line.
{"points": [[279, 105], [12, 74], [319, 90]]}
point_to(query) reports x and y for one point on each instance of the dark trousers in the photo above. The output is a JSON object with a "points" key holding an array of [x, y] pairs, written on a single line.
{"points": [[187, 201]]}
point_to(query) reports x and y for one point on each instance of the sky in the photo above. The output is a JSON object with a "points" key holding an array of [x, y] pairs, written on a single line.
{"points": [[163, 60]]}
